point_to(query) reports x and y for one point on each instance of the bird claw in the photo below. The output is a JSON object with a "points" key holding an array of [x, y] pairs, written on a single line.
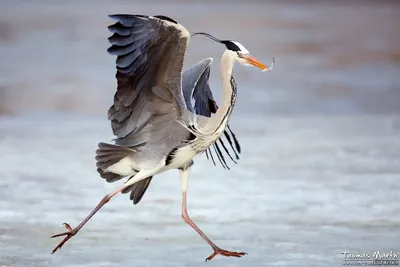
{"points": [[71, 232], [226, 253]]}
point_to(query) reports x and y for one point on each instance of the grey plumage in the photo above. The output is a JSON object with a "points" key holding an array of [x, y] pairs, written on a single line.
{"points": [[195, 87], [140, 97], [144, 110], [143, 106]]}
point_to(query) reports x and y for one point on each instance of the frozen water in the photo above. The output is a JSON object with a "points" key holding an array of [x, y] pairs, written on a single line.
{"points": [[305, 190]]}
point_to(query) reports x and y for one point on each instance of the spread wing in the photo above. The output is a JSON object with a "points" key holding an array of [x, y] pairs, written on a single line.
{"points": [[195, 86], [150, 53]]}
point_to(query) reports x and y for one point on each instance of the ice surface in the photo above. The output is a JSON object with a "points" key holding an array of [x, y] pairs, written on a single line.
{"points": [[305, 190]]}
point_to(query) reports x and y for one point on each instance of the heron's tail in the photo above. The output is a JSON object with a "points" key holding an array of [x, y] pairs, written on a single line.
{"points": [[109, 176], [108, 155], [137, 189]]}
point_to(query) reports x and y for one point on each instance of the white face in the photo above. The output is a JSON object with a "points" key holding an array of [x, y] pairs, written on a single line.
{"points": [[243, 51], [243, 62], [244, 58], [241, 47]]}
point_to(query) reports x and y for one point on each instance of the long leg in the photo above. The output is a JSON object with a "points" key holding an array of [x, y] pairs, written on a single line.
{"points": [[185, 173], [71, 232]]}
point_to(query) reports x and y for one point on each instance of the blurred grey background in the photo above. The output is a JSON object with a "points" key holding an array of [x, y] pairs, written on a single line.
{"points": [[320, 169]]}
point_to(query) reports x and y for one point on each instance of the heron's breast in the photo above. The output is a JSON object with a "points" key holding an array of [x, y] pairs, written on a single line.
{"points": [[182, 157]]}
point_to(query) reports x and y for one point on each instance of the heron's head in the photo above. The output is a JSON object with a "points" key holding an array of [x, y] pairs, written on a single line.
{"points": [[239, 53], [242, 55]]}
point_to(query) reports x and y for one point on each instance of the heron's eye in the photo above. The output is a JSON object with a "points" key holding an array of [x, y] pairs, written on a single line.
{"points": [[239, 54]]}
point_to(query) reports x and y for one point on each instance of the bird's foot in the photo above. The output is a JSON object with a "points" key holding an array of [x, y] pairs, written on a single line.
{"points": [[226, 253], [71, 232]]}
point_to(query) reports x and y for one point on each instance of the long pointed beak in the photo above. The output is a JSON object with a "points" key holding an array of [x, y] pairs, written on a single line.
{"points": [[255, 62]]}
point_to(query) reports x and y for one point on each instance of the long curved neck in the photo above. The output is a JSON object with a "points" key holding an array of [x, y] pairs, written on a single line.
{"points": [[208, 130], [228, 94]]}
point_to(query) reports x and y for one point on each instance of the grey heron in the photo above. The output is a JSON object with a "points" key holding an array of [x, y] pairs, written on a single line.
{"points": [[157, 129]]}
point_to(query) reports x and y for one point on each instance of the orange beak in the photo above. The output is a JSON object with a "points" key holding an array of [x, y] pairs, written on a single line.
{"points": [[255, 62]]}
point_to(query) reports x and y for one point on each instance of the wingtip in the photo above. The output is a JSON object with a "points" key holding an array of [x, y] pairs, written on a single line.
{"points": [[113, 16], [204, 63], [117, 15]]}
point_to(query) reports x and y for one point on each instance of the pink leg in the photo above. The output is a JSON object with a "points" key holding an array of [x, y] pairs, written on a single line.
{"points": [[71, 232], [216, 249]]}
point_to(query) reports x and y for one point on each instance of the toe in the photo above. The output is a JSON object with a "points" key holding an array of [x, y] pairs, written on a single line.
{"points": [[62, 234], [68, 227]]}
